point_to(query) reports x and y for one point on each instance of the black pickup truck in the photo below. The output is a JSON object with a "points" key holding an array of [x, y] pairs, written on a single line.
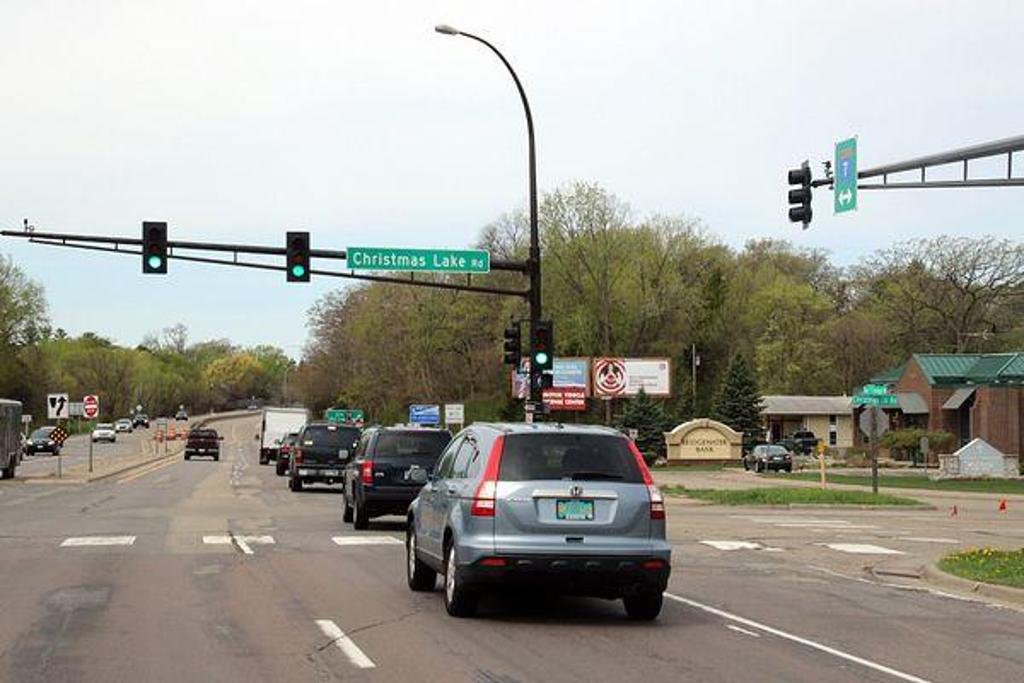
{"points": [[203, 442], [320, 454]]}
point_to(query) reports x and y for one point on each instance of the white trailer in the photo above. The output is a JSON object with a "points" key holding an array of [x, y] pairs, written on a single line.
{"points": [[278, 423], [10, 437]]}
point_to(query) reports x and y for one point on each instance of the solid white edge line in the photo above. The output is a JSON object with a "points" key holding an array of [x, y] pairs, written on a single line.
{"points": [[798, 639], [345, 644]]}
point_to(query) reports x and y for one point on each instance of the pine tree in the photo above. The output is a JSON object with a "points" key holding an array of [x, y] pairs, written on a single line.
{"points": [[738, 403], [648, 417]]}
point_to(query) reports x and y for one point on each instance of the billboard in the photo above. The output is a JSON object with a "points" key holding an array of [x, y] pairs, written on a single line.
{"points": [[567, 373], [626, 376], [425, 414], [568, 398]]}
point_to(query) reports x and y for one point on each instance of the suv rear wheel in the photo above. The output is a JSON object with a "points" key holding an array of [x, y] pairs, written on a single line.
{"points": [[457, 600], [295, 484], [360, 520], [346, 509], [421, 577], [643, 606]]}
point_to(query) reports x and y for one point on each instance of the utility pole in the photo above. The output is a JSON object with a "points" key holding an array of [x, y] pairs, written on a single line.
{"points": [[694, 362]]}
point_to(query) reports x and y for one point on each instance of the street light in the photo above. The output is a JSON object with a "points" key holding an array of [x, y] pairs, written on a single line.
{"points": [[534, 259]]}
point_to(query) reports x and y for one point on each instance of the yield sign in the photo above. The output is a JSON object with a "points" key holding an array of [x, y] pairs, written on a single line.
{"points": [[91, 406]]}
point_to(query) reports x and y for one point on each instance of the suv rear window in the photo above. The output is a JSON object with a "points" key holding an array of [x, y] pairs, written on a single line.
{"points": [[203, 433], [409, 444], [578, 457], [330, 436]]}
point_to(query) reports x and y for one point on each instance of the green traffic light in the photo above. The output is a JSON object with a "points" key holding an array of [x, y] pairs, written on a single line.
{"points": [[541, 357], [298, 270], [155, 262]]}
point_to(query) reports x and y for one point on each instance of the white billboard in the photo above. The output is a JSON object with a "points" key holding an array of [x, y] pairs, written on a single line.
{"points": [[626, 376]]}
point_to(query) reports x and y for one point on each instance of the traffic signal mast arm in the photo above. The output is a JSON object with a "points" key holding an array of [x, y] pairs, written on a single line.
{"points": [[134, 246]]}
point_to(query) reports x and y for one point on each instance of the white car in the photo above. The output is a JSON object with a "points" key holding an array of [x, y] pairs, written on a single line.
{"points": [[104, 432], [123, 425]]}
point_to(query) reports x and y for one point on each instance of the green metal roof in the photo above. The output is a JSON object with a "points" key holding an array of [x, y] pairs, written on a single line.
{"points": [[971, 368], [890, 376]]}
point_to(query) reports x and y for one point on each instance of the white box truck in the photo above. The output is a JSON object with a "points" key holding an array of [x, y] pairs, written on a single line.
{"points": [[278, 423], [10, 437]]}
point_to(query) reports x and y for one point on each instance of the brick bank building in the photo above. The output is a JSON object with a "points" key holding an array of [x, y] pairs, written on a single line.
{"points": [[971, 396]]}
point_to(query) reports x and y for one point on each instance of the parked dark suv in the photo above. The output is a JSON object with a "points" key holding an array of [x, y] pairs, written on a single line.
{"points": [[320, 454], [558, 508], [804, 441], [382, 477]]}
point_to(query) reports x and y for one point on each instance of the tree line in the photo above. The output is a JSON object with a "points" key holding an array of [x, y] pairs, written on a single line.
{"points": [[161, 373], [618, 284]]}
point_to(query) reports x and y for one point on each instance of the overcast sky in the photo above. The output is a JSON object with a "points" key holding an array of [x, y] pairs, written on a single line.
{"points": [[239, 120]]}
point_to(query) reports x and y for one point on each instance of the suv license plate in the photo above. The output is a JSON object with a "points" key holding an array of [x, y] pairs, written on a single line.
{"points": [[575, 510], [330, 473]]}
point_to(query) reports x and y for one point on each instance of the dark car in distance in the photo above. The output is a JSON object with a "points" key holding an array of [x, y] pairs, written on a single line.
{"points": [[284, 454], [382, 478], [320, 454], [764, 458], [39, 441], [203, 442], [141, 420], [804, 441]]}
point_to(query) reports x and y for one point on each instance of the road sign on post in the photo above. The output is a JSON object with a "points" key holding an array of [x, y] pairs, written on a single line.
{"points": [[430, 260], [874, 422], [845, 195], [91, 407], [454, 414], [58, 407], [425, 414]]}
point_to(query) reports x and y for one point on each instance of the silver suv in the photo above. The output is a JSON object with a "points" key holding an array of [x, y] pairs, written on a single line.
{"points": [[569, 509]]}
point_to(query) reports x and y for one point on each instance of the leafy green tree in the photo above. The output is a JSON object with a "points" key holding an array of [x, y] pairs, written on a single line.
{"points": [[738, 403]]}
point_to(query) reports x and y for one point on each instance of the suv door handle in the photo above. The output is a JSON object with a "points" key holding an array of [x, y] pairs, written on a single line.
{"points": [[452, 491]]}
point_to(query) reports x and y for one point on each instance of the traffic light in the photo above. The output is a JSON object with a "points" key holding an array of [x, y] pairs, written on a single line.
{"points": [[154, 247], [513, 345], [800, 196], [297, 256], [542, 345]]}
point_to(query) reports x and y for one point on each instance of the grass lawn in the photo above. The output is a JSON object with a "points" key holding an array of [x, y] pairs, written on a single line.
{"points": [[788, 495], [1004, 567], [914, 481]]}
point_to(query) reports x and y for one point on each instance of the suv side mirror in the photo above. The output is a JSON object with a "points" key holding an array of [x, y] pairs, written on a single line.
{"points": [[419, 475]]}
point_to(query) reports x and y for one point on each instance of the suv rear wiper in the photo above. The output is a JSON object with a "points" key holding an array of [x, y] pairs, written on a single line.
{"points": [[576, 476]]}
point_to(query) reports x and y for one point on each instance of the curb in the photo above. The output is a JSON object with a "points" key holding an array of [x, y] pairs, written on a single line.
{"points": [[932, 574], [129, 468]]}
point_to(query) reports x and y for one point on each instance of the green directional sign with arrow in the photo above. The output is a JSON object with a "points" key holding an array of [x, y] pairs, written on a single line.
{"points": [[845, 194]]}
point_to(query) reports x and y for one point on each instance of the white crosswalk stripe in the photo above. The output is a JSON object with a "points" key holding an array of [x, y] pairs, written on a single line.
{"points": [[366, 540], [92, 541], [863, 549]]}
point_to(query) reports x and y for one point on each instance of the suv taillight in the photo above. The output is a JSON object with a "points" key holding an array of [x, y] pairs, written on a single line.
{"points": [[366, 473], [657, 502], [484, 498]]}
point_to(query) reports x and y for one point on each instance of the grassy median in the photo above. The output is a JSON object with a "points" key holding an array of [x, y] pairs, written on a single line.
{"points": [[917, 481], [789, 496], [1004, 567]]}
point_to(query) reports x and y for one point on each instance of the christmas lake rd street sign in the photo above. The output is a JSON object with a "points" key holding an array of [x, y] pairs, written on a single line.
{"points": [[418, 260]]}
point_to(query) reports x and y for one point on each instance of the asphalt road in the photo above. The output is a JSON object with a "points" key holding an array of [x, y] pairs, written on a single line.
{"points": [[215, 571], [76, 451]]}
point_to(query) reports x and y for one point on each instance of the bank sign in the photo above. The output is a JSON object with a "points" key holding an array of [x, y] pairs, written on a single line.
{"points": [[418, 260]]}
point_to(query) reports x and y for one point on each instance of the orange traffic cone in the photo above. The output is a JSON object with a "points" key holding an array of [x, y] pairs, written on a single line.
{"points": [[1002, 505], [953, 511]]}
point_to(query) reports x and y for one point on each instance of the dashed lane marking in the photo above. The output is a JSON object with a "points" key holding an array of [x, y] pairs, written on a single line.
{"points": [[345, 644], [733, 545], [862, 549], [80, 541], [928, 539], [366, 540], [807, 642]]}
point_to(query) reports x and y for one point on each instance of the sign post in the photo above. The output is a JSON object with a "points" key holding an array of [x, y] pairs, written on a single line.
{"points": [[874, 422], [845, 195], [90, 411], [454, 414], [821, 462]]}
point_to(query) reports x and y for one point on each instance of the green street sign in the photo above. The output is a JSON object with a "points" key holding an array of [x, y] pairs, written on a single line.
{"points": [[845, 194], [342, 416], [882, 400], [875, 389], [430, 260]]}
